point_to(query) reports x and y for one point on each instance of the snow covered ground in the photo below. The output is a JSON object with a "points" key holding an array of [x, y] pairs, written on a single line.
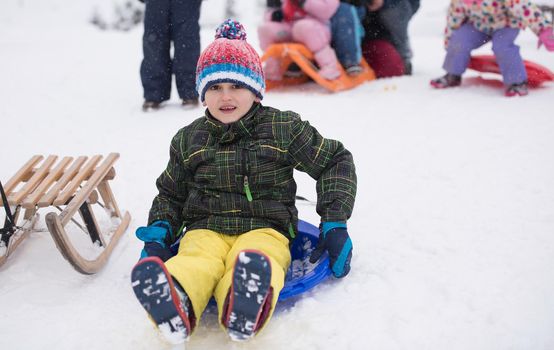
{"points": [[453, 228]]}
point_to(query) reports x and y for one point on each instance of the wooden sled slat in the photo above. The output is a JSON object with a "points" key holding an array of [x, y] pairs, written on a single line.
{"points": [[34, 181], [49, 197], [83, 173], [299, 54], [92, 183], [32, 199], [17, 178]]}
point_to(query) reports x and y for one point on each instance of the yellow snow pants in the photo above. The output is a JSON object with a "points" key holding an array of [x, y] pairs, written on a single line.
{"points": [[204, 264]]}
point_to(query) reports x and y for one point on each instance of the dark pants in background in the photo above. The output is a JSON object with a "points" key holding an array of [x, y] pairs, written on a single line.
{"points": [[347, 33], [395, 18], [167, 21]]}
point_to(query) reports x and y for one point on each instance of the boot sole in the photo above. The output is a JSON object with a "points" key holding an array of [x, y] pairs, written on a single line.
{"points": [[512, 94], [249, 292], [442, 86], [153, 287]]}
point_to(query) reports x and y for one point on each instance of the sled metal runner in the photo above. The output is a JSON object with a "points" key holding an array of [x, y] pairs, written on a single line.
{"points": [[288, 53], [72, 186]]}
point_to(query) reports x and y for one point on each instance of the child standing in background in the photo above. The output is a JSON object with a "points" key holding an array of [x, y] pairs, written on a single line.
{"points": [[229, 182], [472, 23]]}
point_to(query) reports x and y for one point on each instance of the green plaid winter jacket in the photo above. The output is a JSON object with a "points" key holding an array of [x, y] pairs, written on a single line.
{"points": [[238, 177]]}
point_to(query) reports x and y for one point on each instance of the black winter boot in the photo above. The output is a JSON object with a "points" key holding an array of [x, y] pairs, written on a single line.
{"points": [[519, 89], [249, 300], [407, 68], [164, 300], [354, 70], [150, 105], [189, 103], [446, 81]]}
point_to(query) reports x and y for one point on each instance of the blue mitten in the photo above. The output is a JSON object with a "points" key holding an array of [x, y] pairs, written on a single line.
{"points": [[155, 240], [335, 240]]}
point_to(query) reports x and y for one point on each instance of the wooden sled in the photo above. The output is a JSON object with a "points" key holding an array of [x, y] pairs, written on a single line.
{"points": [[73, 185], [536, 74], [288, 53]]}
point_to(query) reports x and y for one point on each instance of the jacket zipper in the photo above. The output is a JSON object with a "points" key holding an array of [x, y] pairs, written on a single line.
{"points": [[246, 184], [247, 189]]}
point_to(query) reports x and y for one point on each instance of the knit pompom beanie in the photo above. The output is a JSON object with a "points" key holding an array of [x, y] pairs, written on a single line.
{"points": [[230, 59]]}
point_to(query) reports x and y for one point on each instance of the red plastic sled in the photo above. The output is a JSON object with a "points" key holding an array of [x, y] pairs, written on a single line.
{"points": [[299, 54], [536, 74]]}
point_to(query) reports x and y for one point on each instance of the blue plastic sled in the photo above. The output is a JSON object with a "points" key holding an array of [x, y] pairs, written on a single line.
{"points": [[303, 276]]}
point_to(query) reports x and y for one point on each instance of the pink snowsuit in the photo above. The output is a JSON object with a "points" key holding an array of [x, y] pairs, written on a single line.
{"points": [[308, 25]]}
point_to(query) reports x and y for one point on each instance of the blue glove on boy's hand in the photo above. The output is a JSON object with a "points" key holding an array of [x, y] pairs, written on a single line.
{"points": [[335, 240], [155, 240]]}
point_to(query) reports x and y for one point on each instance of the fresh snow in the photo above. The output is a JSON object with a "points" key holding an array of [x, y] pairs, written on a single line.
{"points": [[453, 228]]}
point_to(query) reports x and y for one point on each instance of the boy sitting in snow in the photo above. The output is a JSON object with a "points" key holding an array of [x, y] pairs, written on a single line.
{"points": [[472, 23], [229, 181]]}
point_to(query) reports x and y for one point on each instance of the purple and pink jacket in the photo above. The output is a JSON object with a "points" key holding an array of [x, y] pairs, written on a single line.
{"points": [[488, 16]]}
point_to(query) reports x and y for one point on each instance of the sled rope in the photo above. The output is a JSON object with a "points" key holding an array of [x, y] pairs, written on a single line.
{"points": [[9, 229]]}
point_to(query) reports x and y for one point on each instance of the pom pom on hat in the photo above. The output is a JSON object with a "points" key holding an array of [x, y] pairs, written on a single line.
{"points": [[230, 30], [230, 59]]}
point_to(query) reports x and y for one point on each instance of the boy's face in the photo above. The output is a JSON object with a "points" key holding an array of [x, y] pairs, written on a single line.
{"points": [[229, 102]]}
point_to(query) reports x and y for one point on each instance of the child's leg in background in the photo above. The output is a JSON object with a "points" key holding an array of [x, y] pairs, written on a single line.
{"points": [[317, 38], [396, 19], [199, 265], [271, 243], [464, 40], [346, 35], [270, 33], [273, 32], [507, 56]]}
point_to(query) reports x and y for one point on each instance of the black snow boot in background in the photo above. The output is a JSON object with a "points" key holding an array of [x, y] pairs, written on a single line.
{"points": [[446, 81], [519, 89]]}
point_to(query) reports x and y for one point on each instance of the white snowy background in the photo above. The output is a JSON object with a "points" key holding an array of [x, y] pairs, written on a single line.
{"points": [[453, 228]]}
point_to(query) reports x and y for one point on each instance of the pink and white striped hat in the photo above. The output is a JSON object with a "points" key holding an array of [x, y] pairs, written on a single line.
{"points": [[230, 59]]}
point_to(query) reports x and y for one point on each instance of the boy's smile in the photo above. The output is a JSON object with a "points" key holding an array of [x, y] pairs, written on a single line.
{"points": [[228, 102]]}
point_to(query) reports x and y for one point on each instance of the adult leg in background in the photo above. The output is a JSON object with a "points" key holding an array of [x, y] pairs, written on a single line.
{"points": [[155, 69], [396, 19], [185, 34]]}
